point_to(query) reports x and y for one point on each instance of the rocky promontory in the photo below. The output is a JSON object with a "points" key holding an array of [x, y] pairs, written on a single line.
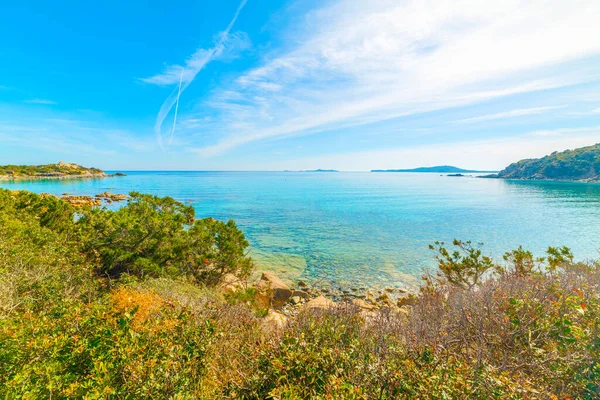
{"points": [[62, 170], [581, 165]]}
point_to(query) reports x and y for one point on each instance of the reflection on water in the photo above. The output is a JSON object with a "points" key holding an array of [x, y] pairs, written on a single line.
{"points": [[367, 227]]}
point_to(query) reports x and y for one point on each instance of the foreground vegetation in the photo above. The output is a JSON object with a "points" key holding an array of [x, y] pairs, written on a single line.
{"points": [[122, 304], [571, 165]]}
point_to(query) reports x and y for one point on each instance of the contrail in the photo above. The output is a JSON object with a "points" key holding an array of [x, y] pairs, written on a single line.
{"points": [[193, 66], [176, 106]]}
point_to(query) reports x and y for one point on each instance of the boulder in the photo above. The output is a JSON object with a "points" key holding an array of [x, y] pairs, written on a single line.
{"points": [[262, 301], [384, 299], [406, 301], [320, 302], [300, 293], [364, 305], [275, 320], [274, 288]]}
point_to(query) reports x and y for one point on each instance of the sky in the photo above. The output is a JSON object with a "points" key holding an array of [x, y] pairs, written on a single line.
{"points": [[297, 84]]}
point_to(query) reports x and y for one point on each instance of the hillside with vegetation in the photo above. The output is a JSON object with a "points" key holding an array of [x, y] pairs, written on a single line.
{"points": [[49, 171], [147, 301], [581, 164], [438, 169]]}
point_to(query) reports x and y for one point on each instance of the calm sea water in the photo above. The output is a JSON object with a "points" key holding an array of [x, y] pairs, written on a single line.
{"points": [[369, 228]]}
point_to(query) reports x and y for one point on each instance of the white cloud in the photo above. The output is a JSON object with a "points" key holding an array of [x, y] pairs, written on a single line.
{"points": [[490, 154], [40, 101], [184, 75], [359, 62], [521, 112]]}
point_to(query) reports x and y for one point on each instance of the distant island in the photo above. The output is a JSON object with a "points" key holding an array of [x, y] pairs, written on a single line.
{"points": [[62, 170], [438, 169], [314, 170], [581, 165]]}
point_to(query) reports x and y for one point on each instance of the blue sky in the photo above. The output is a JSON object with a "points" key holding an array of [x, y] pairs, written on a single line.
{"points": [[301, 84]]}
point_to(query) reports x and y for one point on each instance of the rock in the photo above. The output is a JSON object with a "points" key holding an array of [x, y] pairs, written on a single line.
{"points": [[302, 284], [370, 297], [120, 174], [364, 305], [384, 300], [389, 289], [320, 302], [406, 301], [274, 288], [275, 320], [82, 201], [301, 293], [67, 165], [230, 283], [262, 301], [404, 291], [111, 196], [295, 299]]}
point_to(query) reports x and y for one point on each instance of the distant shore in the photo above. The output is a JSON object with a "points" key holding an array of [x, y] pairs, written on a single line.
{"points": [[56, 177], [597, 181]]}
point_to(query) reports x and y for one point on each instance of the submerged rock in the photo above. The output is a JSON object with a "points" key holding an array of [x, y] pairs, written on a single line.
{"points": [[111, 196]]}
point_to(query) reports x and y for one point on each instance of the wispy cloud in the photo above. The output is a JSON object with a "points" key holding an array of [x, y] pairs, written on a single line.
{"points": [[356, 63], [184, 75], [508, 114], [62, 134], [41, 101], [492, 154]]}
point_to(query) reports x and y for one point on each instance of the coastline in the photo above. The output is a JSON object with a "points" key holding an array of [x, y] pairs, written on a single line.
{"points": [[10, 178], [593, 181]]}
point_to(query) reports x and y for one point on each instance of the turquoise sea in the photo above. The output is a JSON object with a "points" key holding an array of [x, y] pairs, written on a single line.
{"points": [[369, 228]]}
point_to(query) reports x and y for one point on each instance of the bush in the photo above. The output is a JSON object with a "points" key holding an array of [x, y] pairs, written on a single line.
{"points": [[118, 304]]}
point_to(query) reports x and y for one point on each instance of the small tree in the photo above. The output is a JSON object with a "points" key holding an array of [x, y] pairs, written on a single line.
{"points": [[159, 236], [463, 267], [522, 261], [559, 257]]}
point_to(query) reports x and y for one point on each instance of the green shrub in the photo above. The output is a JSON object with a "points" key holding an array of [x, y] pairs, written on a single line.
{"points": [[119, 304]]}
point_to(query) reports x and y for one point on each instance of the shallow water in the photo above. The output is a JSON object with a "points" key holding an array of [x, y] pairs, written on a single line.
{"points": [[369, 229]]}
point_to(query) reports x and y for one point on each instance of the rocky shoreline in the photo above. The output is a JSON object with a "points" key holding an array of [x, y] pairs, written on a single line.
{"points": [[57, 176], [282, 301], [59, 171], [541, 179], [89, 201]]}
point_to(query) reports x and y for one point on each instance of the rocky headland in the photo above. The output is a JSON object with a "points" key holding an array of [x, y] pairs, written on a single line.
{"points": [[62, 170], [578, 165]]}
